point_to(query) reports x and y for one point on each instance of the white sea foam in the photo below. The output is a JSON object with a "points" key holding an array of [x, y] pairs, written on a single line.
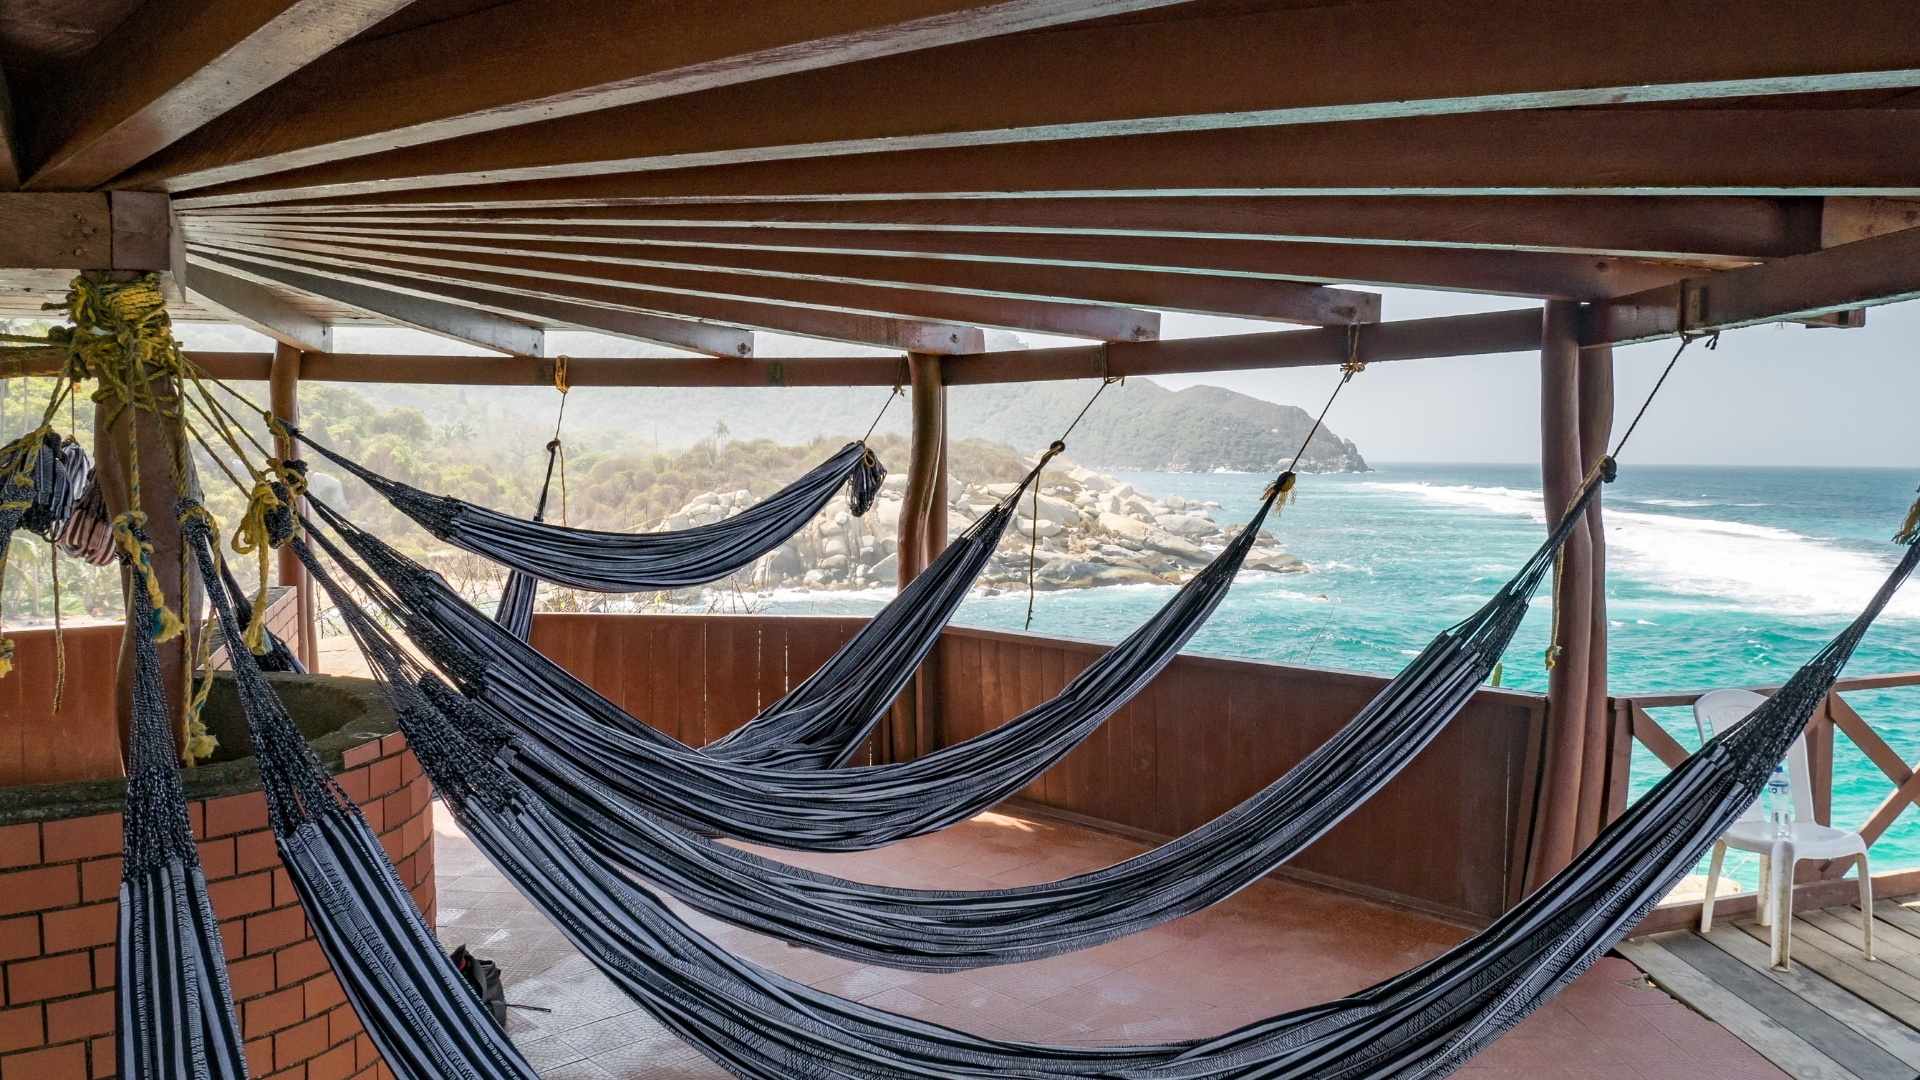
{"points": [[1754, 566]]}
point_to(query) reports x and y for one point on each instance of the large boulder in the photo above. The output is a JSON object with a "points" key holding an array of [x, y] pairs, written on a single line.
{"points": [[1190, 526]]}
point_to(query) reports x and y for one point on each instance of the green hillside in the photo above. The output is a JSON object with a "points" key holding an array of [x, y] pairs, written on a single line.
{"points": [[1136, 425]]}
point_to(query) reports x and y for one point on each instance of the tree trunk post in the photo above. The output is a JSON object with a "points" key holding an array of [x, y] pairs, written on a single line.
{"points": [[283, 381]]}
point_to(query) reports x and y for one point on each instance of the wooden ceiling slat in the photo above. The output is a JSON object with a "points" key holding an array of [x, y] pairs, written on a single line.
{"points": [[910, 334], [983, 261], [469, 326], [1678, 227], [675, 333], [168, 69], [1622, 152], [541, 59], [1043, 276], [255, 307], [1409, 58], [1074, 320]]}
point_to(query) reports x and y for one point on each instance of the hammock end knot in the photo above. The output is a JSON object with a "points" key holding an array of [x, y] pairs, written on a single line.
{"points": [[1910, 528]]}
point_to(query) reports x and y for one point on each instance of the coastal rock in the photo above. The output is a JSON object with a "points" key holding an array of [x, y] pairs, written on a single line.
{"points": [[1277, 562], [1091, 532]]}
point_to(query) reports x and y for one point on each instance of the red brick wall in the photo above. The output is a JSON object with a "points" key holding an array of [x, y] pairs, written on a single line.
{"points": [[59, 889]]}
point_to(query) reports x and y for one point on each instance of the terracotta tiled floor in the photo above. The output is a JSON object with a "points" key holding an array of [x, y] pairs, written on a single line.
{"points": [[1274, 947]]}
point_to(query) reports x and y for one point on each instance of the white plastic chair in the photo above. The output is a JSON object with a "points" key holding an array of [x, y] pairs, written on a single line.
{"points": [[1716, 712]]}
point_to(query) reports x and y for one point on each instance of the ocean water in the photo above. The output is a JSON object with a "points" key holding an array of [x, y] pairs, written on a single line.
{"points": [[1716, 577]]}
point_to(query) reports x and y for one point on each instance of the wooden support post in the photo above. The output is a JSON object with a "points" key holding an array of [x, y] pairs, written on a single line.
{"points": [[923, 533], [113, 455], [1595, 428], [283, 382], [1556, 825]]}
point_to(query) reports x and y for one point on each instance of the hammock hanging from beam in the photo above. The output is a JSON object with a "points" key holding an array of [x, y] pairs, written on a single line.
{"points": [[628, 562], [419, 1011], [174, 1009], [553, 715], [1423, 1023], [937, 930]]}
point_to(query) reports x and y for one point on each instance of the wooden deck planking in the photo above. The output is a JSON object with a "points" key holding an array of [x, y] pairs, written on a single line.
{"points": [[1835, 1014]]}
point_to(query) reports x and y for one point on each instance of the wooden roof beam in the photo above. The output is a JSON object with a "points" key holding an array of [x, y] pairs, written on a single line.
{"points": [[1647, 226], [1039, 270], [1868, 152], [888, 333], [1406, 58], [1072, 320], [1458, 335], [166, 70], [466, 325], [1166, 273], [686, 334], [255, 307], [1880, 270], [503, 67]]}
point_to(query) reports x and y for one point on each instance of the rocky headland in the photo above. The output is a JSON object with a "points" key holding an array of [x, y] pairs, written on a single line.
{"points": [[1091, 530]]}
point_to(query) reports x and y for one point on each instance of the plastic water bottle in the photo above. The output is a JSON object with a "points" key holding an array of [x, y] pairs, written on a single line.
{"points": [[1780, 803]]}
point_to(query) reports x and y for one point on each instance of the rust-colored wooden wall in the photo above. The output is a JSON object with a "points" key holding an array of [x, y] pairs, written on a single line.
{"points": [[81, 741], [694, 677], [1211, 731], [1206, 734]]}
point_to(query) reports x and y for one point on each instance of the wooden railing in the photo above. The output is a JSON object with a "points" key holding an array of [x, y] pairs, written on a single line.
{"points": [[1443, 836], [1817, 881]]}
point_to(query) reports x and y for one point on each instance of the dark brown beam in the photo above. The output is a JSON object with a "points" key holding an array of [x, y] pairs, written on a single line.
{"points": [[675, 333], [9, 139], [511, 64], [1039, 268], [469, 326], [1623, 152], [1881, 270], [909, 334], [256, 307], [1398, 59], [1412, 339], [1032, 265], [167, 69], [1650, 226], [1076, 320]]}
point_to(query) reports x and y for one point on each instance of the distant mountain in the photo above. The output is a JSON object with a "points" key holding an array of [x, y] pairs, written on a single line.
{"points": [[1137, 425], [1141, 425]]}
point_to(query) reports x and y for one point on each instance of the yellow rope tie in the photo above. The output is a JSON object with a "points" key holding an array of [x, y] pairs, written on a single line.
{"points": [[253, 537], [1910, 528]]}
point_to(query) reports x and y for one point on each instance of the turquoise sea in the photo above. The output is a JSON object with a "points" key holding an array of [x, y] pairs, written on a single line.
{"points": [[1717, 577]]}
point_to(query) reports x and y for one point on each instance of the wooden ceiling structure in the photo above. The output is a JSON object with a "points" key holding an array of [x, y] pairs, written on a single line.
{"points": [[900, 173], [905, 173]]}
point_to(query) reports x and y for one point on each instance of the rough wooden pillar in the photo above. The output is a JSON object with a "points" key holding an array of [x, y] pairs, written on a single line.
{"points": [[1596, 428], [159, 494], [1556, 825], [914, 726], [284, 387]]}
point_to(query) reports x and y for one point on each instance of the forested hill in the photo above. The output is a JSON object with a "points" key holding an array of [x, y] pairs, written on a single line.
{"points": [[1135, 425], [1141, 425]]}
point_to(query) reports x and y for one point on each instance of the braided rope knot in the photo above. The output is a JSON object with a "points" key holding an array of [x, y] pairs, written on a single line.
{"points": [[130, 532]]}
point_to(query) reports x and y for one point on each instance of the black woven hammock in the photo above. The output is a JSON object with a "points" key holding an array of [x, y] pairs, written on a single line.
{"points": [[631, 562], [422, 1016], [171, 998], [933, 930], [555, 718], [1423, 1023]]}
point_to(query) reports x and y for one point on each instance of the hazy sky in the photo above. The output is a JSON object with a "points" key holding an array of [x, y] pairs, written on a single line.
{"points": [[1770, 395]]}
